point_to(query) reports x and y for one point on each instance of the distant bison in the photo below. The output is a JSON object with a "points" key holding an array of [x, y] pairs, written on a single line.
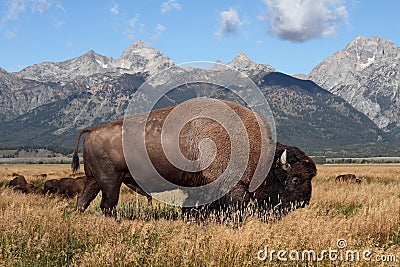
{"points": [[349, 178], [18, 180], [287, 186], [66, 187], [19, 183]]}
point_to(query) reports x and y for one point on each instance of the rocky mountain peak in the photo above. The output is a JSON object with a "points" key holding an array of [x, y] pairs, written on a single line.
{"points": [[252, 69], [139, 48], [242, 58], [139, 44], [85, 65], [92, 58], [243, 61], [140, 57], [90, 54], [362, 40], [366, 51], [365, 73]]}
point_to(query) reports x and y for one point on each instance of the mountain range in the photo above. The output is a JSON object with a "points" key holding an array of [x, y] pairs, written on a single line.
{"points": [[366, 73], [46, 104]]}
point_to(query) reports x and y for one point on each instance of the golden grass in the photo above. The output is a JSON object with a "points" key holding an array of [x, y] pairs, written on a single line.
{"points": [[46, 231]]}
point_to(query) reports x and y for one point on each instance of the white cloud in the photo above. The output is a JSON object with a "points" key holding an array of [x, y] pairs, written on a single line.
{"points": [[132, 22], [132, 26], [230, 23], [158, 31], [59, 23], [115, 10], [170, 5], [10, 35], [300, 20], [16, 8], [41, 6], [58, 16]]}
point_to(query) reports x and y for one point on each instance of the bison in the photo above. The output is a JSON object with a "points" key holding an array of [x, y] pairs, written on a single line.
{"points": [[18, 179], [66, 187], [19, 183], [287, 185], [349, 178]]}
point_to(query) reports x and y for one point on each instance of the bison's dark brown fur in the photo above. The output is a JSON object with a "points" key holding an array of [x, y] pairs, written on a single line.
{"points": [[66, 187], [17, 180], [29, 189], [19, 183], [349, 178], [287, 185]]}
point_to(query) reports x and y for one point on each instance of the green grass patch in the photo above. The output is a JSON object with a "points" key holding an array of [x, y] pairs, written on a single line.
{"points": [[346, 209], [38, 183]]}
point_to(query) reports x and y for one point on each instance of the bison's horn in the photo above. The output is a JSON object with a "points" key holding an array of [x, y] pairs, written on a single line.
{"points": [[284, 157], [283, 160]]}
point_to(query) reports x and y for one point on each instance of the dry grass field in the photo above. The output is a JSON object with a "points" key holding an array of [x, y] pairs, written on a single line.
{"points": [[46, 231]]}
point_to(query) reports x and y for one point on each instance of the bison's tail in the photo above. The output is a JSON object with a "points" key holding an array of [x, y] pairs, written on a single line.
{"points": [[75, 158], [75, 163]]}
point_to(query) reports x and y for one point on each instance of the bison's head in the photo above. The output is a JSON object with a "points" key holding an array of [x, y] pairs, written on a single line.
{"points": [[288, 185], [18, 180]]}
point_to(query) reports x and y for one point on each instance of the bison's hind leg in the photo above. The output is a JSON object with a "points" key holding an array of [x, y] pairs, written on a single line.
{"points": [[89, 191], [110, 184]]}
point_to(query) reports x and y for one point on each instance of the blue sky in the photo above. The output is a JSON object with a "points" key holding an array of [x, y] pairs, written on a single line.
{"points": [[291, 35]]}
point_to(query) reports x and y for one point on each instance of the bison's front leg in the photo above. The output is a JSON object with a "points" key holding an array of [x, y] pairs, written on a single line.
{"points": [[89, 192], [109, 201]]}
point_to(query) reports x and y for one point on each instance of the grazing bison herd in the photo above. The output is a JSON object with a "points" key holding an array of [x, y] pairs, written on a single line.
{"points": [[65, 187], [287, 185]]}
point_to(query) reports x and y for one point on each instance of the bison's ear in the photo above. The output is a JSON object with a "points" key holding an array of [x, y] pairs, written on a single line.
{"points": [[283, 160]]}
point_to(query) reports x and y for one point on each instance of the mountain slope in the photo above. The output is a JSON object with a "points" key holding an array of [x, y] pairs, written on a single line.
{"points": [[57, 123], [367, 74], [305, 114], [93, 89], [310, 117], [19, 95]]}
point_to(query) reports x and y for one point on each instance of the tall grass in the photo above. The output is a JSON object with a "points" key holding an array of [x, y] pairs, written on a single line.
{"points": [[46, 231]]}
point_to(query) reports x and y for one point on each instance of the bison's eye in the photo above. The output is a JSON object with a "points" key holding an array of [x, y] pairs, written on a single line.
{"points": [[295, 180]]}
